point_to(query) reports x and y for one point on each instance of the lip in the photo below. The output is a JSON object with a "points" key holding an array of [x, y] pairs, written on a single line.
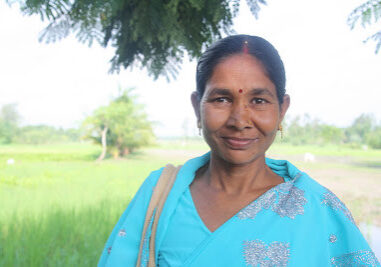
{"points": [[238, 143]]}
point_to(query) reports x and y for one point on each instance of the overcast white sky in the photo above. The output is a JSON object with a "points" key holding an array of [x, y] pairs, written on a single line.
{"points": [[331, 74]]}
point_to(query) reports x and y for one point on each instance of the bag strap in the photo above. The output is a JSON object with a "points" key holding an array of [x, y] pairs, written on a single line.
{"points": [[156, 204]]}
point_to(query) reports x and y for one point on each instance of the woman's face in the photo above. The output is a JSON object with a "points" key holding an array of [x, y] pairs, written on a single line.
{"points": [[239, 111]]}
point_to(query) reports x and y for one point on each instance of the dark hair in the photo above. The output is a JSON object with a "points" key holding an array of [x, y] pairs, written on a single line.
{"points": [[236, 44]]}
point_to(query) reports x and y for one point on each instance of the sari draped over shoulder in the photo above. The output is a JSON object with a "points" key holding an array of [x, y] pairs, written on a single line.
{"points": [[296, 223]]}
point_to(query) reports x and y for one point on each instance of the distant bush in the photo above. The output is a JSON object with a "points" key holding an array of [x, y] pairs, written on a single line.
{"points": [[373, 139], [9, 120], [43, 134], [12, 132], [303, 130]]}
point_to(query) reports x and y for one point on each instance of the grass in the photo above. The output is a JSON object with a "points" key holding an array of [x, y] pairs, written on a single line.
{"points": [[61, 237], [56, 153], [58, 205]]}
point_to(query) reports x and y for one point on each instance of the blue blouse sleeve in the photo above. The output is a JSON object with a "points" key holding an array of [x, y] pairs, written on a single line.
{"points": [[122, 246]]}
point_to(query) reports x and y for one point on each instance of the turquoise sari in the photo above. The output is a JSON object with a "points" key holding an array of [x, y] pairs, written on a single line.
{"points": [[296, 223]]}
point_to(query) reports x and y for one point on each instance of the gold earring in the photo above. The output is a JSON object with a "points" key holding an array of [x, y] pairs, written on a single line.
{"points": [[281, 131], [199, 128]]}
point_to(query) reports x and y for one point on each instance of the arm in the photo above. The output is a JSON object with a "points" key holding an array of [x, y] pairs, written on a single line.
{"points": [[122, 247]]}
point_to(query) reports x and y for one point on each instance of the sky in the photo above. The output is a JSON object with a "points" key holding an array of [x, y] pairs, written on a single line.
{"points": [[331, 74]]}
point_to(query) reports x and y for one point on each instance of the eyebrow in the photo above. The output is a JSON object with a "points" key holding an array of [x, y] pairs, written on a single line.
{"points": [[261, 91], [220, 91], [254, 91]]}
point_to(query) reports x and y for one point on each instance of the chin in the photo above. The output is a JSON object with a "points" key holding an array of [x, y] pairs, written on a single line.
{"points": [[238, 157]]}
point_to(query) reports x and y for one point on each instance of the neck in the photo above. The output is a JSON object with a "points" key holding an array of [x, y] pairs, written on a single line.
{"points": [[239, 179]]}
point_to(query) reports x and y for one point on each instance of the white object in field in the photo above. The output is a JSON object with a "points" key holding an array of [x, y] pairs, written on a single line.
{"points": [[10, 161], [309, 157]]}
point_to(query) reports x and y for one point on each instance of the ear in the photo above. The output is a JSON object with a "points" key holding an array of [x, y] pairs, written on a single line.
{"points": [[196, 104], [284, 106]]}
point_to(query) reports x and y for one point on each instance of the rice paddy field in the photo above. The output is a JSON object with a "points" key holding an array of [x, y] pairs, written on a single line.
{"points": [[58, 206]]}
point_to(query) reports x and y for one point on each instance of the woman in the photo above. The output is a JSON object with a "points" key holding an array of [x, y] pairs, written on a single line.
{"points": [[233, 206]]}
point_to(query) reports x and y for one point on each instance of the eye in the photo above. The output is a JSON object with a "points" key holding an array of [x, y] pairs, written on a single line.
{"points": [[221, 100], [260, 101]]}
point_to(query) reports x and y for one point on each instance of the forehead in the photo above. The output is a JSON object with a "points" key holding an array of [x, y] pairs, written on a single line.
{"points": [[240, 71]]}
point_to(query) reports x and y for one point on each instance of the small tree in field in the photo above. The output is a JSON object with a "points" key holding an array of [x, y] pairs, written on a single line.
{"points": [[121, 127]]}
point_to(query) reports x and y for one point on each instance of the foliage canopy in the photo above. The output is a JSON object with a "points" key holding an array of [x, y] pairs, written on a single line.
{"points": [[367, 13], [149, 33]]}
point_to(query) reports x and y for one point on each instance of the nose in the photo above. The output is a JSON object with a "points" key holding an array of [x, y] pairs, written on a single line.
{"points": [[239, 118]]}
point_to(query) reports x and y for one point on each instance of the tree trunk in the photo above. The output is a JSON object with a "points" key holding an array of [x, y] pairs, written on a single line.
{"points": [[126, 151], [104, 144]]}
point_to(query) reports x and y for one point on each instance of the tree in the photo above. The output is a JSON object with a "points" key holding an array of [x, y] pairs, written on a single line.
{"points": [[373, 139], [302, 130], [360, 128], [149, 33], [9, 120], [308, 130], [331, 134], [367, 13], [121, 127]]}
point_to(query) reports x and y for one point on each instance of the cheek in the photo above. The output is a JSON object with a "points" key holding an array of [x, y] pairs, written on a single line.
{"points": [[212, 118], [267, 122]]}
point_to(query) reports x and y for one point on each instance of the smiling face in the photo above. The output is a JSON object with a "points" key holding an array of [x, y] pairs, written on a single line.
{"points": [[239, 111]]}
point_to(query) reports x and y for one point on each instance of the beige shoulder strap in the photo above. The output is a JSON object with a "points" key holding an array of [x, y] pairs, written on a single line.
{"points": [[158, 198]]}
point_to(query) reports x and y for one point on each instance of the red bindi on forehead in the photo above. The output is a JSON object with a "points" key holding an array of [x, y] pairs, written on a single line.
{"points": [[240, 91]]}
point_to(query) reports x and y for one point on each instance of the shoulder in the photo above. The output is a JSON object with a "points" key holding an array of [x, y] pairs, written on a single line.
{"points": [[184, 176], [318, 199], [310, 185], [187, 170], [323, 199], [296, 177], [329, 216], [314, 189], [143, 195], [152, 179]]}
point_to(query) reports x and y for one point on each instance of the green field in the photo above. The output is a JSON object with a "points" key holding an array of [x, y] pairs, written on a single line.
{"points": [[58, 205]]}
